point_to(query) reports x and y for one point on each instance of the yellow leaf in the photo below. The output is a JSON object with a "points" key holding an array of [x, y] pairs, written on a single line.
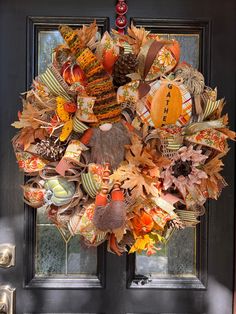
{"points": [[141, 244]]}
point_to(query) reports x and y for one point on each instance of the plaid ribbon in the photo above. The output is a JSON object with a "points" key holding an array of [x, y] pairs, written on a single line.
{"points": [[144, 113], [55, 83], [186, 107]]}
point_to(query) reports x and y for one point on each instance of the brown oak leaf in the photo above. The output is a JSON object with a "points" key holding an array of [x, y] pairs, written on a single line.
{"points": [[27, 136], [31, 116], [138, 183], [138, 155]]}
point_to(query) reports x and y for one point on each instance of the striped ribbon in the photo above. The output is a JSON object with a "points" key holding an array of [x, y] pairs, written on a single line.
{"points": [[79, 126], [188, 216], [127, 48], [100, 236], [200, 126], [173, 143], [211, 106], [88, 184], [55, 83]]}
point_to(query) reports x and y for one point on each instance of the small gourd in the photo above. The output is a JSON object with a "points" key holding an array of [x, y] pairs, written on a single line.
{"points": [[59, 191]]}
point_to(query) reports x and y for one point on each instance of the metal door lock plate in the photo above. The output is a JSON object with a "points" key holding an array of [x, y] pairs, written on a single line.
{"points": [[7, 255], [7, 300]]}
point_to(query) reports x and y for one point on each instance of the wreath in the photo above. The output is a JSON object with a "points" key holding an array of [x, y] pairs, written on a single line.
{"points": [[119, 141]]}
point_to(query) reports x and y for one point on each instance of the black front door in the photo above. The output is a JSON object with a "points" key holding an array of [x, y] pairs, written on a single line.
{"points": [[55, 273]]}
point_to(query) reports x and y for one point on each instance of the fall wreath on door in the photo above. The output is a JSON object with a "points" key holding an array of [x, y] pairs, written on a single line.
{"points": [[121, 142]]}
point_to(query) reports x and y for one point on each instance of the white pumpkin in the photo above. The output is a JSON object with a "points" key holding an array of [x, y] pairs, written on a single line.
{"points": [[59, 191]]}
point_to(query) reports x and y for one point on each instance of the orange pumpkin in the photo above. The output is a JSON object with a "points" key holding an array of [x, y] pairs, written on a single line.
{"points": [[142, 224], [109, 59], [166, 106], [175, 49], [73, 73]]}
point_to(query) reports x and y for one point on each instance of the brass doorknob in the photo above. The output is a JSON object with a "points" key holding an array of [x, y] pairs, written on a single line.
{"points": [[7, 255], [7, 299], [3, 308]]}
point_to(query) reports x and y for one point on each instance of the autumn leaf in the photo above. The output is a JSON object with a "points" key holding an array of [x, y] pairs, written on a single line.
{"points": [[119, 233], [215, 182], [121, 174], [140, 185], [31, 116], [136, 37], [27, 136], [229, 133], [137, 154]]}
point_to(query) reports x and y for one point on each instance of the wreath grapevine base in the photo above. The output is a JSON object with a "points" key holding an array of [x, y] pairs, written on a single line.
{"points": [[122, 143]]}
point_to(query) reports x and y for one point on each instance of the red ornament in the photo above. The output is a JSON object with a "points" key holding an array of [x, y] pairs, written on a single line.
{"points": [[70, 107], [121, 7], [121, 21]]}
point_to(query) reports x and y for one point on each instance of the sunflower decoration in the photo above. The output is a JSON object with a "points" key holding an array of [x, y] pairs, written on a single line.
{"points": [[121, 141]]}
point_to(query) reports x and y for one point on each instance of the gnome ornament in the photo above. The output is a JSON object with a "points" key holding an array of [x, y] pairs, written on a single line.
{"points": [[109, 135]]}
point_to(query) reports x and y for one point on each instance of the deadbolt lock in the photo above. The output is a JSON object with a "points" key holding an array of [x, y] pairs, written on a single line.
{"points": [[7, 256], [7, 300]]}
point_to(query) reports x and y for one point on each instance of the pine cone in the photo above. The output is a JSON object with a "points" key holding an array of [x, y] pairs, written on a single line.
{"points": [[50, 150], [126, 64]]}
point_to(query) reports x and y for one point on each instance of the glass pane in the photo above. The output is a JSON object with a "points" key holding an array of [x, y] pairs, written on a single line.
{"points": [[57, 253], [60, 254], [178, 257], [189, 45], [47, 41]]}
